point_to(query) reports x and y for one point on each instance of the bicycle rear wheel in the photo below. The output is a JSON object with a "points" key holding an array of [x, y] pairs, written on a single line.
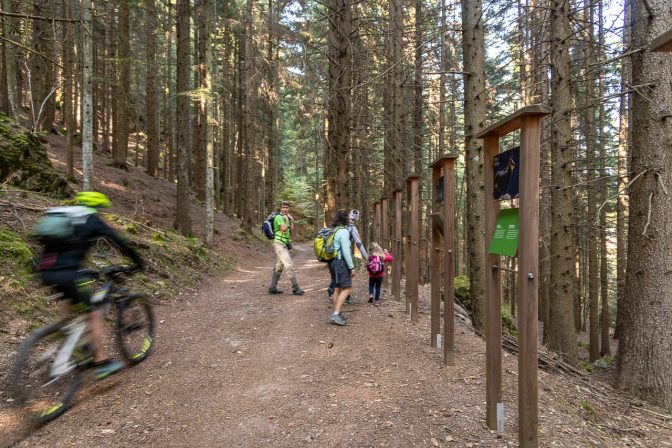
{"points": [[135, 328], [33, 385]]}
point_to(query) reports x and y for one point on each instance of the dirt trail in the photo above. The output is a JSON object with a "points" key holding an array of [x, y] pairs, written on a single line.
{"points": [[237, 367]]}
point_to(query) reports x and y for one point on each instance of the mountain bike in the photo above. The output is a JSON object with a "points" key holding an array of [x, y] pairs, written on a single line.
{"points": [[48, 369]]}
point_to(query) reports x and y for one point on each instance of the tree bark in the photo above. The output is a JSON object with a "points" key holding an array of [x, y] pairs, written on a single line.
{"points": [[152, 80], [9, 62], [87, 93], [562, 338], [122, 87], [645, 352], [183, 217], [337, 151], [42, 75], [473, 46]]}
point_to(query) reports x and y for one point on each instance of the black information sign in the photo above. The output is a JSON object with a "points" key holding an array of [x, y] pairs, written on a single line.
{"points": [[506, 168]]}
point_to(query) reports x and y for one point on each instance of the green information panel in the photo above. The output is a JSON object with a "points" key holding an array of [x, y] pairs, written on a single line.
{"points": [[505, 239]]}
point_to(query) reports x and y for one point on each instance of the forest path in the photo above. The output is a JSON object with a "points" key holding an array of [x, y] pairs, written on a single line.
{"points": [[235, 366]]}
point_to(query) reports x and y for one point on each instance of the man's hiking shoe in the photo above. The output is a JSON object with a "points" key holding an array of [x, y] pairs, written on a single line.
{"points": [[370, 299], [349, 300], [274, 291], [343, 316], [298, 292], [336, 319], [107, 368]]}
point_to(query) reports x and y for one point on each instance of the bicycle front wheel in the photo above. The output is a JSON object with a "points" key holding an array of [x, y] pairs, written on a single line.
{"points": [[42, 390], [135, 328]]}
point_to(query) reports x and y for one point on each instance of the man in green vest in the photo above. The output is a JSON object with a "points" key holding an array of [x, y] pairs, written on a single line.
{"points": [[283, 227]]}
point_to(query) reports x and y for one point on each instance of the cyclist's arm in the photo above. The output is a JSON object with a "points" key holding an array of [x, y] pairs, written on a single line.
{"points": [[98, 229]]}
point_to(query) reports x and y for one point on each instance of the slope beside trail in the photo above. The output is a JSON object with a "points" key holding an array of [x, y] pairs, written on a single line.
{"points": [[235, 366]]}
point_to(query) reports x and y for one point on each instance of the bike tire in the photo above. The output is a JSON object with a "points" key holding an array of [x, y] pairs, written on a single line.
{"points": [[43, 398], [135, 328]]}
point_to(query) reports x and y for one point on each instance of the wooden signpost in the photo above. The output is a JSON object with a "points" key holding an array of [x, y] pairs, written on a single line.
{"points": [[385, 236], [443, 225], [662, 43], [528, 120], [412, 242], [396, 245], [376, 221]]}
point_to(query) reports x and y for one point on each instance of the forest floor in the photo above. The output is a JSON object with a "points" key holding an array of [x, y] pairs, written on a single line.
{"points": [[235, 366]]}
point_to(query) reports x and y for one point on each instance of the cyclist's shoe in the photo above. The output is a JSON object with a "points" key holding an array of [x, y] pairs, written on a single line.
{"points": [[336, 319], [298, 291], [274, 291], [107, 368]]}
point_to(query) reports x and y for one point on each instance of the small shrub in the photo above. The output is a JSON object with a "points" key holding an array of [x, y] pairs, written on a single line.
{"points": [[462, 291]]}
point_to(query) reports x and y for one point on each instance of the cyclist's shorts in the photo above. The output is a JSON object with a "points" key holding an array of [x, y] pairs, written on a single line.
{"points": [[73, 285]]}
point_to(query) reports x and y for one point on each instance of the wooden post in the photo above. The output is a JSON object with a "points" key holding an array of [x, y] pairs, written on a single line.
{"points": [[435, 252], [662, 43], [385, 236], [396, 245], [528, 265], [493, 294], [376, 221], [449, 185], [413, 258], [528, 119]]}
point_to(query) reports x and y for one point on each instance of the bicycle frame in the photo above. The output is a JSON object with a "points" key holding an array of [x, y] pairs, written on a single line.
{"points": [[75, 329]]}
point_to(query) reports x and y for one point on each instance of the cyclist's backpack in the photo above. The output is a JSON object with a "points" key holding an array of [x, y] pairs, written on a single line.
{"points": [[324, 243], [267, 226], [375, 265], [57, 227]]}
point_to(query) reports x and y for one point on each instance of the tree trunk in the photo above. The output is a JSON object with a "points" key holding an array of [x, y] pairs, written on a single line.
{"points": [[68, 107], [183, 218], [645, 352], [87, 100], [336, 170], [152, 108], [207, 12], [394, 152], [473, 45], [562, 338], [9, 62], [122, 87], [42, 76], [622, 198]]}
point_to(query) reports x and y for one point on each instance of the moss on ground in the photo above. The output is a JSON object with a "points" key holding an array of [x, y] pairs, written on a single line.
{"points": [[174, 264], [24, 162]]}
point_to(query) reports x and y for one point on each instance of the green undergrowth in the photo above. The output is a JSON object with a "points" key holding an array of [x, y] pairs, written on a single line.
{"points": [[175, 265]]}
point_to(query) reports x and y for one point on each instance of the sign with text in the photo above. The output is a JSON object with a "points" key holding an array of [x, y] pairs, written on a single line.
{"points": [[505, 238], [506, 168]]}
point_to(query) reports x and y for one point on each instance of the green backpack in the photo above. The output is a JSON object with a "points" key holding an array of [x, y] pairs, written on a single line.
{"points": [[57, 227], [324, 243]]}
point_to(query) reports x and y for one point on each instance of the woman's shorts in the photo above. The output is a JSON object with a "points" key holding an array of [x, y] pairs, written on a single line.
{"points": [[340, 273]]}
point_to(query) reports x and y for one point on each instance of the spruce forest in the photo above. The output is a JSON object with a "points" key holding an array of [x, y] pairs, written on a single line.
{"points": [[237, 105]]}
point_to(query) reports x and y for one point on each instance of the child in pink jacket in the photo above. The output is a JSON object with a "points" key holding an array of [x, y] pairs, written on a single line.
{"points": [[375, 264]]}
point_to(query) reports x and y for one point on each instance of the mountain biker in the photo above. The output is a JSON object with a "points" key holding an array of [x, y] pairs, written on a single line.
{"points": [[61, 261]]}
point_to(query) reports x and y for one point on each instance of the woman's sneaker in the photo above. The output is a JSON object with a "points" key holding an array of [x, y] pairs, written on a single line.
{"points": [[376, 302], [370, 299]]}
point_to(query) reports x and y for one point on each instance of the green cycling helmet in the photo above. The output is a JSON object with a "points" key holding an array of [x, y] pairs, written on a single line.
{"points": [[93, 199]]}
